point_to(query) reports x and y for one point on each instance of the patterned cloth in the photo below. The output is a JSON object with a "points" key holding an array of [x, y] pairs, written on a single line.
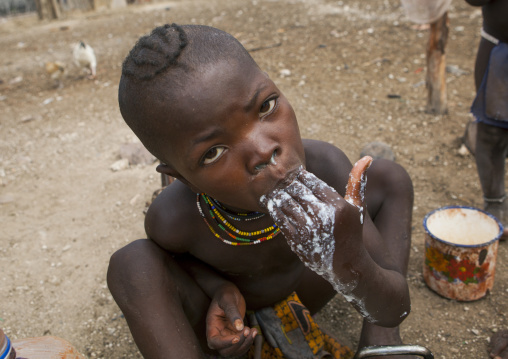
{"points": [[290, 332]]}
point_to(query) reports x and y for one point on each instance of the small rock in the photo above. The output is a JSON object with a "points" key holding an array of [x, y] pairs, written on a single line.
{"points": [[463, 151], [16, 80], [455, 70], [285, 73], [120, 165], [378, 150], [475, 331], [134, 199], [48, 101]]}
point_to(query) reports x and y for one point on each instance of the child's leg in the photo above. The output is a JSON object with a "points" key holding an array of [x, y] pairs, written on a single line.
{"points": [[491, 152], [389, 195], [162, 304], [482, 61]]}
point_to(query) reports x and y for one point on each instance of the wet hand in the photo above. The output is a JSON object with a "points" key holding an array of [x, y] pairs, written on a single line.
{"points": [[315, 219], [225, 330]]}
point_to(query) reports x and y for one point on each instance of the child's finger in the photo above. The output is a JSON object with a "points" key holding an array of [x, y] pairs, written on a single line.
{"points": [[238, 348], [320, 189], [233, 314], [355, 190], [310, 180], [285, 212], [219, 342], [301, 194]]}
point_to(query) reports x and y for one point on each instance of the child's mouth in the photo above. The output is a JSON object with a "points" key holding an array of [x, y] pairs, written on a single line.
{"points": [[288, 179]]}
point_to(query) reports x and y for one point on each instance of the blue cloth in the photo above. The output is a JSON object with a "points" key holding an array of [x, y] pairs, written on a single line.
{"points": [[491, 103]]}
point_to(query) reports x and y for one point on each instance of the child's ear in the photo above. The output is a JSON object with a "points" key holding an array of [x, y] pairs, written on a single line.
{"points": [[167, 170], [170, 171]]}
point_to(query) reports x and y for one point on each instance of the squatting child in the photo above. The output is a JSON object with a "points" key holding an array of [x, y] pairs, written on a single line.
{"points": [[256, 219]]}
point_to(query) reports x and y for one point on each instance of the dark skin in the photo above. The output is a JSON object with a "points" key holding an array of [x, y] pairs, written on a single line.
{"points": [[235, 137], [491, 141]]}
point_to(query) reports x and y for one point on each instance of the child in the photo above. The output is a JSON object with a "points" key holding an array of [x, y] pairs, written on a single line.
{"points": [[490, 107], [220, 126]]}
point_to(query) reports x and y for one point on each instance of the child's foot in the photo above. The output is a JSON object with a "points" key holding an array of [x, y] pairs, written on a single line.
{"points": [[500, 211], [377, 150], [498, 347], [376, 335]]}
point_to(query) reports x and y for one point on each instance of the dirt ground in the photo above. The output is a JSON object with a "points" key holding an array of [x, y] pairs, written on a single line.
{"points": [[64, 211]]}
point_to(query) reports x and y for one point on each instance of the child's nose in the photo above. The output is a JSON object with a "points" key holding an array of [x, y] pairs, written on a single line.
{"points": [[260, 154]]}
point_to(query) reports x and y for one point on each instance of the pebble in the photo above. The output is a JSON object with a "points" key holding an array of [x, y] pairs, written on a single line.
{"points": [[285, 73], [120, 165]]}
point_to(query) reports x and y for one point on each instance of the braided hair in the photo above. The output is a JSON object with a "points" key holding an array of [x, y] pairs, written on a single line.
{"points": [[167, 47], [155, 53]]}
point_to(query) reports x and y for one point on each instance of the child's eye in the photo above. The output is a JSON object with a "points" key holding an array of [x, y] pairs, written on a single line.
{"points": [[212, 155], [267, 107]]}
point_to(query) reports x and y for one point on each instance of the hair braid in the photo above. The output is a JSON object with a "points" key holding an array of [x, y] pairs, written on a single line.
{"points": [[155, 53]]}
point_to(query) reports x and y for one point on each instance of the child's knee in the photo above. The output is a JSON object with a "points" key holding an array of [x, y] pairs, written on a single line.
{"points": [[127, 262], [392, 177]]}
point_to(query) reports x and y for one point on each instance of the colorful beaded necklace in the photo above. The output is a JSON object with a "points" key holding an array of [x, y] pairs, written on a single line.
{"points": [[236, 216], [239, 241], [229, 225]]}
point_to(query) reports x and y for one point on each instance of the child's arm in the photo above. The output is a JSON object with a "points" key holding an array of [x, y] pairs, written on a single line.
{"points": [[325, 231], [225, 330]]}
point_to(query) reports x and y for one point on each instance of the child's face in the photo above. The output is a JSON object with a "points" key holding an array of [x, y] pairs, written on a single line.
{"points": [[235, 136]]}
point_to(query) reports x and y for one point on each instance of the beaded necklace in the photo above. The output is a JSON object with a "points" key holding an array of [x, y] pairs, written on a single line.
{"points": [[229, 225], [241, 216], [275, 230]]}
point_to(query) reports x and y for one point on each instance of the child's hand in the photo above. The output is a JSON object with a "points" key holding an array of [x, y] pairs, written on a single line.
{"points": [[322, 228], [225, 331]]}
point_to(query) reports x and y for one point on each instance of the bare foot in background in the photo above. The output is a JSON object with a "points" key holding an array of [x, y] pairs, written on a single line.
{"points": [[498, 348]]}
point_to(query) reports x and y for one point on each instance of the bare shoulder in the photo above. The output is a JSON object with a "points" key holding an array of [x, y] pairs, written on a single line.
{"points": [[328, 163], [168, 219]]}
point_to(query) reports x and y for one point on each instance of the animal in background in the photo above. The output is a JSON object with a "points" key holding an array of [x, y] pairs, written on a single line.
{"points": [[84, 57], [56, 71]]}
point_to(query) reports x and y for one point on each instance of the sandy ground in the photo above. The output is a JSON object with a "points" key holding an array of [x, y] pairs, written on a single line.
{"points": [[64, 211]]}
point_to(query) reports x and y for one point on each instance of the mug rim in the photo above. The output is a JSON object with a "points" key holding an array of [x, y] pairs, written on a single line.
{"points": [[496, 238]]}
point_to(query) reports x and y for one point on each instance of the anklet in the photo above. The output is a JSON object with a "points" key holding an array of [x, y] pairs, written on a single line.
{"points": [[494, 200]]}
